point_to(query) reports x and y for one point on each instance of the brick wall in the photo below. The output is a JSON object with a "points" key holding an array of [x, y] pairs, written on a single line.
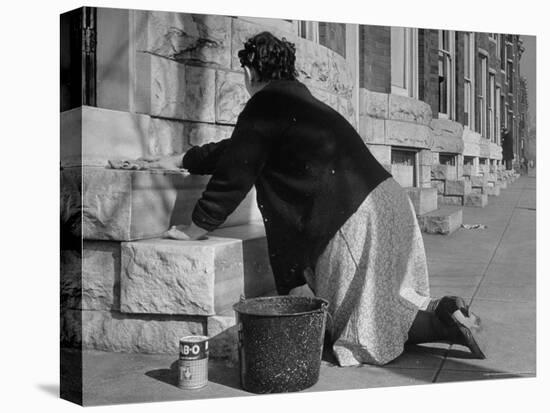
{"points": [[375, 58]]}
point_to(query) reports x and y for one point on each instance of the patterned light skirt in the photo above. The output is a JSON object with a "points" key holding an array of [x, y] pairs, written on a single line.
{"points": [[374, 275]]}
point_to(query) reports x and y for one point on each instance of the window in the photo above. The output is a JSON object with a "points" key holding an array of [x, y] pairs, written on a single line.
{"points": [[491, 107], [469, 160], [447, 159], [309, 30], [493, 36], [509, 76], [404, 61], [403, 167], [498, 112], [469, 97], [446, 74], [333, 36], [481, 78], [502, 52]]}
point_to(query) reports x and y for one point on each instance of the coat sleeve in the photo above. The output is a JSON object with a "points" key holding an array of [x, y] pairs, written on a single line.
{"points": [[236, 171], [202, 160]]}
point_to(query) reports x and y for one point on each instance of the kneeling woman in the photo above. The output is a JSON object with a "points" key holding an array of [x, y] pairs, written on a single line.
{"points": [[337, 223]]}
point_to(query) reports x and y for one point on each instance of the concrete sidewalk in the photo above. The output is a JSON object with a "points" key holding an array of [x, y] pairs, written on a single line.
{"points": [[494, 268]]}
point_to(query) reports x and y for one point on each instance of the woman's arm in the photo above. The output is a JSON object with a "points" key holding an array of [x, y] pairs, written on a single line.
{"points": [[236, 171], [202, 160]]}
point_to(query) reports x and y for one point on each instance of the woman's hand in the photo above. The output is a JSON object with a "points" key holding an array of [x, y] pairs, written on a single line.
{"points": [[186, 233], [302, 291], [164, 162]]}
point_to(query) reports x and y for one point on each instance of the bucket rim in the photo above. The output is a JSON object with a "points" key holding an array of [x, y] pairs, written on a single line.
{"points": [[322, 308]]}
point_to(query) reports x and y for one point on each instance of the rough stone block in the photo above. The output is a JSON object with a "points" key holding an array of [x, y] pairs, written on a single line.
{"points": [[476, 200], [448, 144], [200, 277], [439, 186], [382, 153], [231, 96], [444, 220], [423, 199], [477, 190], [202, 133], [408, 134], [484, 148], [450, 200], [373, 104], [169, 137], [257, 275], [161, 276], [460, 187], [425, 174], [113, 331], [129, 205], [444, 172], [372, 129], [182, 92], [185, 37], [478, 180], [90, 279], [312, 64], [447, 128], [425, 157], [408, 109], [503, 184]]}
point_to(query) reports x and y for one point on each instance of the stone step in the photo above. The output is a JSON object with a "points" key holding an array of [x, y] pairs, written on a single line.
{"points": [[493, 189], [423, 199], [458, 187], [123, 205], [476, 200], [161, 276], [142, 296], [444, 220]]}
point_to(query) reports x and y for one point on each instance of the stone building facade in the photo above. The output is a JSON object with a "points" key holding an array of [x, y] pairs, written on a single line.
{"points": [[429, 104]]}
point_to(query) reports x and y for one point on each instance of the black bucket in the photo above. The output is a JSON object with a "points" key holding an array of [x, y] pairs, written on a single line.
{"points": [[280, 342]]}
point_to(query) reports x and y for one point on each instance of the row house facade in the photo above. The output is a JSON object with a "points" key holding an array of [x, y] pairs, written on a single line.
{"points": [[430, 105]]}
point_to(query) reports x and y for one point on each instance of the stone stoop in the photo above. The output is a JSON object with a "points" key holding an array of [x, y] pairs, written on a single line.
{"points": [[493, 189], [424, 200], [479, 200], [141, 296], [444, 220]]}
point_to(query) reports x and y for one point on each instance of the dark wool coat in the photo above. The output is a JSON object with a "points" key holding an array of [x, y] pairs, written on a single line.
{"points": [[310, 168]]}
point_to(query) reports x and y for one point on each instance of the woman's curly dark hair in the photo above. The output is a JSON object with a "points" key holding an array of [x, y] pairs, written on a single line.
{"points": [[272, 58]]}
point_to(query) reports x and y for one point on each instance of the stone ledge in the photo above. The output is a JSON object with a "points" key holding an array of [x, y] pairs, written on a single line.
{"points": [[444, 220], [129, 205]]}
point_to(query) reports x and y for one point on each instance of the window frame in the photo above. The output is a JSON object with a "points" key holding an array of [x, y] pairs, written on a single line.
{"points": [[482, 97], [449, 57], [469, 81], [410, 63], [491, 107]]}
